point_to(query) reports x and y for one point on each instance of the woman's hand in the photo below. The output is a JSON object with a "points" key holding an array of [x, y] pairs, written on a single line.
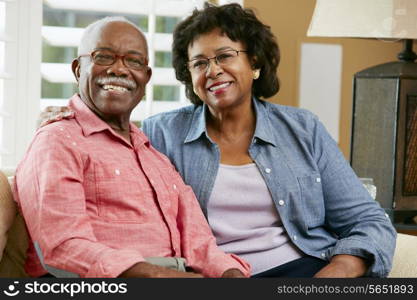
{"points": [[343, 266], [53, 113]]}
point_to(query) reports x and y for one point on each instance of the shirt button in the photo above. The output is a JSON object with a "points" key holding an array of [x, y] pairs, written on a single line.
{"points": [[323, 255], [74, 143], [318, 179], [268, 170], [387, 215], [281, 202], [174, 186], [117, 171], [295, 237]]}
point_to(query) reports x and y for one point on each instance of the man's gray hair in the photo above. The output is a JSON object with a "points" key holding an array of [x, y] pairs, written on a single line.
{"points": [[84, 45]]}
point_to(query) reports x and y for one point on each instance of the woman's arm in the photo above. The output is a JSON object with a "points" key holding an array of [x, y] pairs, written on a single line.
{"points": [[344, 266], [366, 237]]}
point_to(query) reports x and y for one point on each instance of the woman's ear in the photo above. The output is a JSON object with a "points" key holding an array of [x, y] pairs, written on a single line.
{"points": [[75, 66], [254, 62]]}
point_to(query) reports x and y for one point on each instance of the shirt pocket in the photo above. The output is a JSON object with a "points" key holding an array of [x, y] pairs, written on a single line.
{"points": [[312, 200], [121, 197], [171, 189]]}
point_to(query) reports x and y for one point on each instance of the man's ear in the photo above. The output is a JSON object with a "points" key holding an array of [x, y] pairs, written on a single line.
{"points": [[149, 74], [75, 66]]}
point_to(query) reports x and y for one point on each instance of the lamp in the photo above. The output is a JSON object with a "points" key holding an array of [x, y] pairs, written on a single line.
{"points": [[384, 121]]}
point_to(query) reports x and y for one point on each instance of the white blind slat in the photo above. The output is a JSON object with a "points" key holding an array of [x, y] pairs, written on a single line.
{"points": [[62, 36], [57, 73], [53, 102], [164, 76], [4, 75], [71, 36]]}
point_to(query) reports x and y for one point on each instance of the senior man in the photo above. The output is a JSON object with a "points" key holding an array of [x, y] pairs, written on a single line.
{"points": [[97, 198]]}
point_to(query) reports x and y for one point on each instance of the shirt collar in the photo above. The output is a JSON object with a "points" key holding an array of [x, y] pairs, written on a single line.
{"points": [[90, 123], [198, 124], [263, 130]]}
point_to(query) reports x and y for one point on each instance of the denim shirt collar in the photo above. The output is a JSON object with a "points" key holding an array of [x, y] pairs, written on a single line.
{"points": [[263, 131], [197, 125]]}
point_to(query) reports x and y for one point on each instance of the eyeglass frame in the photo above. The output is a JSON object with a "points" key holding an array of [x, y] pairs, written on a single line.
{"points": [[117, 56], [213, 57]]}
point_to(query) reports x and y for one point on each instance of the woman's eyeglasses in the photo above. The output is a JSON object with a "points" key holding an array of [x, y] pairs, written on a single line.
{"points": [[200, 65]]}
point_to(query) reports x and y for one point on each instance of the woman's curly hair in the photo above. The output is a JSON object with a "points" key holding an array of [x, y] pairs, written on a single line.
{"points": [[238, 24]]}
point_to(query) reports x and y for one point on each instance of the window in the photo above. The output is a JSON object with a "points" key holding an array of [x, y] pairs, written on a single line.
{"points": [[63, 23]]}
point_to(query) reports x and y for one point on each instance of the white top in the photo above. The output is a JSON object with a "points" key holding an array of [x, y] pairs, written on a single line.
{"points": [[245, 221]]}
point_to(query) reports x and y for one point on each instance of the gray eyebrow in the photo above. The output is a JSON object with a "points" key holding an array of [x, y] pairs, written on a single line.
{"points": [[130, 51]]}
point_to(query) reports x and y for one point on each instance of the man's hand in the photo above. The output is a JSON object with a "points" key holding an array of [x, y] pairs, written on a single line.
{"points": [[233, 273], [53, 113], [343, 266], [147, 270]]}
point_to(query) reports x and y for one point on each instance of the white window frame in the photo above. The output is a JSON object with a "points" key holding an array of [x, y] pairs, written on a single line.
{"points": [[21, 74]]}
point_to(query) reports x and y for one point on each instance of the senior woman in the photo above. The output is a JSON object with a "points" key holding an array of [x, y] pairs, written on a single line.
{"points": [[272, 183]]}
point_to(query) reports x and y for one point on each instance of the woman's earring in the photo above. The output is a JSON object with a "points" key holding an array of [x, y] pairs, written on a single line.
{"points": [[256, 73]]}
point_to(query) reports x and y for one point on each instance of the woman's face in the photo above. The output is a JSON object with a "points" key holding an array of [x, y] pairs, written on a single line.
{"points": [[225, 85]]}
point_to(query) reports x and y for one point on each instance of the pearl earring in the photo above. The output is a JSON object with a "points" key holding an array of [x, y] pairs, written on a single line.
{"points": [[256, 74]]}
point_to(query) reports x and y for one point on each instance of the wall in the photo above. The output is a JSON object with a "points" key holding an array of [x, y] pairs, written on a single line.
{"points": [[289, 20]]}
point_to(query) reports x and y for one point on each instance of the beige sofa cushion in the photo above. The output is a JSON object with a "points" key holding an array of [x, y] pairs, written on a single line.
{"points": [[13, 235], [405, 257], [14, 255]]}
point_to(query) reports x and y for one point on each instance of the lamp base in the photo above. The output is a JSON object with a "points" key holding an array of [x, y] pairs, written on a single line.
{"points": [[407, 54], [384, 132]]}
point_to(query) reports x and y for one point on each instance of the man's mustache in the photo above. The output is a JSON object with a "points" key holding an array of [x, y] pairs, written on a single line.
{"points": [[115, 80]]}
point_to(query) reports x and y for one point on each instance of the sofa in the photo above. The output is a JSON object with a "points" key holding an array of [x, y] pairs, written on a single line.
{"points": [[14, 235]]}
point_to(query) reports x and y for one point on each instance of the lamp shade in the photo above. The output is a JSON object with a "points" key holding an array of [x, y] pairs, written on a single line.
{"points": [[390, 19]]}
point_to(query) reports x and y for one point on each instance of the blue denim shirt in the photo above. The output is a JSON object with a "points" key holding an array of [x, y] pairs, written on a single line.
{"points": [[323, 206]]}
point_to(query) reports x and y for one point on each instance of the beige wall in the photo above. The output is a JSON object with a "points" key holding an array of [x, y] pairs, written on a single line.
{"points": [[289, 20]]}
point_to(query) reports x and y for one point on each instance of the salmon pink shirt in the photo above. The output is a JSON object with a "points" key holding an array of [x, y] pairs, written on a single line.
{"points": [[96, 204]]}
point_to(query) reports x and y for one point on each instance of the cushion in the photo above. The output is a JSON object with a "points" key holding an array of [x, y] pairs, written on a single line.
{"points": [[405, 257], [13, 235]]}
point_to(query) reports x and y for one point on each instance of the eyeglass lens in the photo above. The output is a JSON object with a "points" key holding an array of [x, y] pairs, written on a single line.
{"points": [[107, 58]]}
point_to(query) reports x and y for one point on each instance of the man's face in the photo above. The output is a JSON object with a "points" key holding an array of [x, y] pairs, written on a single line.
{"points": [[113, 90]]}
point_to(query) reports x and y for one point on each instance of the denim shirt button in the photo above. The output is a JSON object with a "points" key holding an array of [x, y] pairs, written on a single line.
{"points": [[323, 255], [281, 202], [318, 179], [295, 237], [268, 170]]}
